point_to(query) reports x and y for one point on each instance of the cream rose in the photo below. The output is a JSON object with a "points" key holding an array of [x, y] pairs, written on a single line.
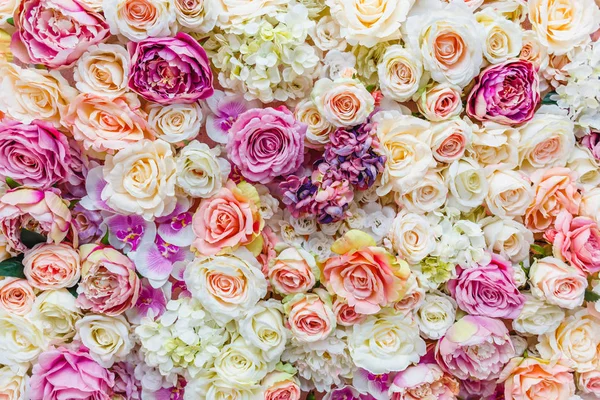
{"points": [[507, 237], [175, 123], [411, 237], [343, 102], [52, 266], [590, 204], [234, 13], [503, 38], [13, 384], [16, 295], [439, 101], [495, 146], [427, 195], [436, 315], [538, 317], [140, 19], [21, 341], [103, 70], [197, 15], [107, 337], [563, 24], [55, 313], [449, 139], [557, 283], [263, 327], [241, 364], [400, 73], [141, 180], [200, 170], [369, 22], [467, 184], [585, 166], [510, 193], [317, 134], [513, 10], [326, 35]]}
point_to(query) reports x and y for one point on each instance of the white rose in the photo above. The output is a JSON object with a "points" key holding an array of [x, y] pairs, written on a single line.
{"points": [[538, 317], [103, 70], [55, 313], [175, 123], [450, 41], [400, 73], [317, 134], [140, 19], [510, 193], [504, 38], [107, 337], [263, 327], [236, 12], [436, 315], [197, 15], [369, 22], [227, 285], [386, 342], [241, 364], [513, 10], [495, 146], [208, 385], [21, 341], [326, 35], [557, 283], [585, 166], [140, 179], [467, 184], [507, 237], [449, 139], [427, 195], [408, 157], [7, 11], [343, 102], [563, 24], [412, 237], [13, 384], [546, 141], [590, 204], [200, 170]]}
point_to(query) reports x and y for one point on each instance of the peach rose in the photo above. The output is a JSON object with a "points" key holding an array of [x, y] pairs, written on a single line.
{"points": [[343, 102], [536, 379], [16, 296], [557, 283], [346, 314], [367, 276], [449, 139], [52, 266], [292, 271], [309, 316], [555, 190], [440, 101], [229, 219], [589, 382], [281, 386]]}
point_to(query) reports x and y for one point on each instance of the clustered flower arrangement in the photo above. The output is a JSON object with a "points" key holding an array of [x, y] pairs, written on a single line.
{"points": [[280, 199]]}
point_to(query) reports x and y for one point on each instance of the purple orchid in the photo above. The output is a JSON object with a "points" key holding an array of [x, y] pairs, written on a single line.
{"points": [[129, 232], [347, 393], [152, 302], [375, 385], [94, 185], [170, 393], [176, 228], [225, 109]]}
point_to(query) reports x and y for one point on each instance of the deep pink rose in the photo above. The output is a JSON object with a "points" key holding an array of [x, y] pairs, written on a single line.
{"points": [[488, 290], [170, 70], [35, 155], [266, 143], [62, 374], [55, 33], [506, 93]]}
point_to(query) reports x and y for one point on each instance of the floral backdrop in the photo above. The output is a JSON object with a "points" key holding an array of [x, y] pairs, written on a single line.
{"points": [[299, 199]]}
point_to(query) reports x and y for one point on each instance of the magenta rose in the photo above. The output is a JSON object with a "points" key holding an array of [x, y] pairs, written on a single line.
{"points": [[506, 93], [69, 374], [35, 155], [475, 347], [55, 33], [266, 143], [488, 290], [170, 70]]}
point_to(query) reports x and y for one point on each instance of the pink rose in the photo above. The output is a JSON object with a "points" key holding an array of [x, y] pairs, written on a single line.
{"points": [[476, 347], [268, 252], [557, 283], [577, 241], [62, 374], [423, 381], [43, 212], [589, 382], [52, 266], [488, 290], [292, 271], [266, 143], [309, 317], [449, 139], [16, 295], [440, 102], [228, 219], [109, 284], [537, 379], [281, 386], [555, 190], [55, 33], [346, 314], [366, 276]]}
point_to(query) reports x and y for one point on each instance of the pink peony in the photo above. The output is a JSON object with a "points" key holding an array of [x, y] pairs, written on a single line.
{"points": [[423, 382], [55, 33], [266, 143]]}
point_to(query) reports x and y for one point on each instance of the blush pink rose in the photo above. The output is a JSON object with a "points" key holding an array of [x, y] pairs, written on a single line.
{"points": [[346, 314], [229, 219], [55, 33], [62, 374], [292, 271], [577, 241], [281, 386], [309, 317], [537, 379], [589, 382], [557, 282], [424, 382], [16, 295], [50, 266], [440, 102]]}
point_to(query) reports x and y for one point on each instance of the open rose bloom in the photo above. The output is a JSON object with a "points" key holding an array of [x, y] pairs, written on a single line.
{"points": [[297, 200]]}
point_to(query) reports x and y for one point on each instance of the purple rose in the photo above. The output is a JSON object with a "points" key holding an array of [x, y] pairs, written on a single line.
{"points": [[55, 33], [35, 155], [506, 93], [266, 143], [170, 70], [488, 290], [592, 142]]}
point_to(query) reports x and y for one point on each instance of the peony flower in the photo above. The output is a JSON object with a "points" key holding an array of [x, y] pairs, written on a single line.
{"points": [[506, 93], [537, 317], [170, 70], [475, 347], [422, 381], [200, 170], [343, 102], [309, 316], [52, 266], [56, 312], [266, 143], [103, 70], [293, 271], [439, 101], [106, 337], [62, 372], [557, 283], [537, 379], [109, 284], [140, 19], [41, 39], [21, 341], [16, 296], [400, 73], [175, 123]]}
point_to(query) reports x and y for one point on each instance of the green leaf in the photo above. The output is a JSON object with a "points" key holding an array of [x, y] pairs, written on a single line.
{"points": [[30, 238], [12, 183], [547, 99], [105, 239], [11, 21], [73, 290], [73, 203], [311, 396], [591, 296], [371, 88], [12, 267]]}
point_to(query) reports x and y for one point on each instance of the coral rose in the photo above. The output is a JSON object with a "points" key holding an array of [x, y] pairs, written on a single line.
{"points": [[537, 379], [16, 295]]}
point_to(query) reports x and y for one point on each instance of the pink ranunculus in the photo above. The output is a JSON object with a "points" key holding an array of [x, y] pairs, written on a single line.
{"points": [[170, 70], [55, 33], [109, 284], [537, 379], [488, 290], [506, 93], [577, 241], [43, 212], [476, 347], [62, 374], [424, 382], [266, 143], [35, 155]]}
